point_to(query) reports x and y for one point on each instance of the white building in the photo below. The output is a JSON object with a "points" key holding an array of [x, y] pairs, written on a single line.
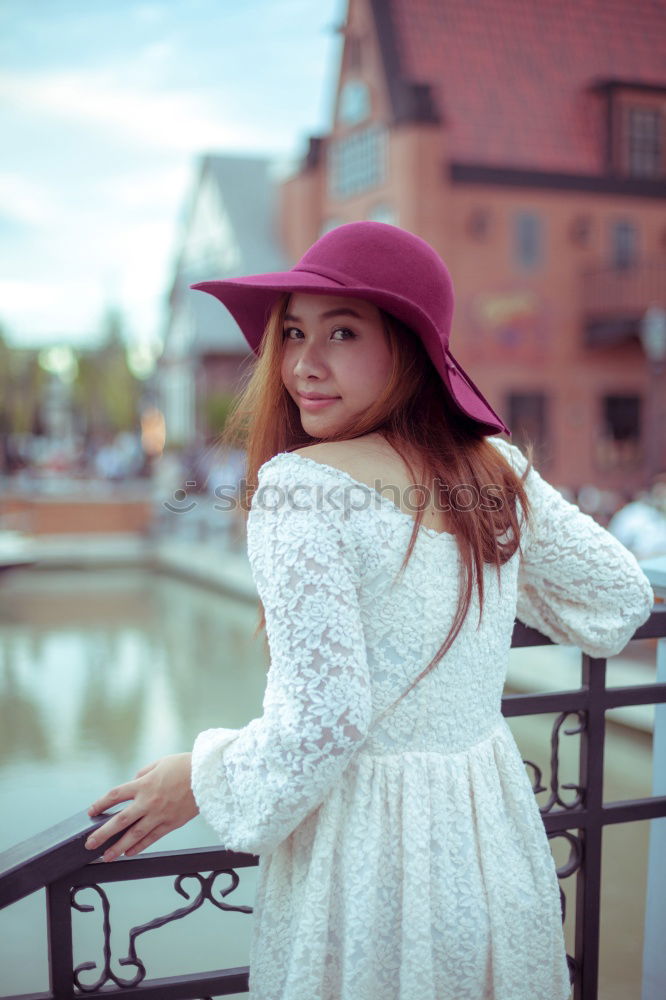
{"points": [[230, 228]]}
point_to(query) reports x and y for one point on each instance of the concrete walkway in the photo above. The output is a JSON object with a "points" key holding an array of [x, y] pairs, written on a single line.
{"points": [[202, 563]]}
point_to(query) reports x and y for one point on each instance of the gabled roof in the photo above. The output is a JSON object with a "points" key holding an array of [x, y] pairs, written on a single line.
{"points": [[248, 192], [246, 243], [515, 82]]}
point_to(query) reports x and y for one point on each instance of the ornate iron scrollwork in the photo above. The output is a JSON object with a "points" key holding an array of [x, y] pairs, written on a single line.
{"points": [[205, 893], [555, 799], [575, 860], [573, 863], [538, 776]]}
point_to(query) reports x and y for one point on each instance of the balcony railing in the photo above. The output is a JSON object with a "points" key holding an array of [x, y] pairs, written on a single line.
{"points": [[57, 860], [614, 299], [620, 290]]}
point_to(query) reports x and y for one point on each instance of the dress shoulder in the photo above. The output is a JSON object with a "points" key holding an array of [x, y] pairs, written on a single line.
{"points": [[289, 469]]}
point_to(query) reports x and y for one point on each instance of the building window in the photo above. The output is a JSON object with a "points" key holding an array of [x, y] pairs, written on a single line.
{"points": [[354, 104], [478, 223], [645, 142], [528, 240], [580, 230], [619, 444], [624, 244], [527, 421], [357, 161]]}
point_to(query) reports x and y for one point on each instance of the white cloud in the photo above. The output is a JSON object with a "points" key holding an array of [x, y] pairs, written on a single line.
{"points": [[103, 116], [177, 120], [148, 190], [130, 266], [149, 13], [143, 253], [27, 308], [157, 55], [25, 201]]}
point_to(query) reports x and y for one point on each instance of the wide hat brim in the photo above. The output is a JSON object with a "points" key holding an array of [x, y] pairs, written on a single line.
{"points": [[250, 299]]}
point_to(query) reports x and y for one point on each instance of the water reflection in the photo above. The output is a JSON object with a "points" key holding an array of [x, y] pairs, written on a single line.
{"points": [[102, 672]]}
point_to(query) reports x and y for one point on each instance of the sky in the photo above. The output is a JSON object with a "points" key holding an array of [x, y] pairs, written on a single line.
{"points": [[105, 107]]}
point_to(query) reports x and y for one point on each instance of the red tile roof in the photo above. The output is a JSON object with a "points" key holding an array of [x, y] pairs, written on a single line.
{"points": [[512, 78]]}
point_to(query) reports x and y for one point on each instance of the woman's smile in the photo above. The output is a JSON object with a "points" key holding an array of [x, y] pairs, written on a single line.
{"points": [[316, 404]]}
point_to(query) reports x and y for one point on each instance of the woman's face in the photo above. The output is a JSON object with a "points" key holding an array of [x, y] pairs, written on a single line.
{"points": [[334, 347]]}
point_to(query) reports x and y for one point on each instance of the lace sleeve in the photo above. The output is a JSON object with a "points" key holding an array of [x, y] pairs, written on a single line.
{"points": [[256, 784], [577, 583]]}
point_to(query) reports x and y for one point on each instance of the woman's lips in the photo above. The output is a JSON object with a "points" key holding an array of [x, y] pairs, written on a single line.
{"points": [[316, 404]]}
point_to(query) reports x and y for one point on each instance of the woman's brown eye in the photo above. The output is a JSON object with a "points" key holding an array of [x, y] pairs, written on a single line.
{"points": [[348, 334]]}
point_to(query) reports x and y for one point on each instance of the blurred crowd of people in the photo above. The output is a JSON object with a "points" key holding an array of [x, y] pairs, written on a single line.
{"points": [[29, 458], [203, 476], [641, 523]]}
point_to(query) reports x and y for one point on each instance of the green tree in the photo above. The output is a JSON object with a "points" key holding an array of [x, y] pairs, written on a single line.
{"points": [[22, 382], [106, 393], [216, 409]]}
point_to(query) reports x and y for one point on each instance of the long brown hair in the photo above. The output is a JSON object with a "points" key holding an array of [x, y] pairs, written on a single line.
{"points": [[416, 417]]}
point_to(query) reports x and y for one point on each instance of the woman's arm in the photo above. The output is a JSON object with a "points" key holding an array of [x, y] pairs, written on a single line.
{"points": [[577, 583], [256, 784]]}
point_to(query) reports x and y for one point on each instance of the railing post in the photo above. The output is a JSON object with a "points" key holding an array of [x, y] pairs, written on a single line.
{"points": [[654, 957], [59, 928], [588, 881]]}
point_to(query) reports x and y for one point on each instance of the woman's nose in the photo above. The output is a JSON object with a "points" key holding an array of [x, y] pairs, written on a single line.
{"points": [[310, 361]]}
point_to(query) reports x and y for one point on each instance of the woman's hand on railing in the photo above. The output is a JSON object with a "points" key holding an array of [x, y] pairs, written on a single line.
{"points": [[162, 800]]}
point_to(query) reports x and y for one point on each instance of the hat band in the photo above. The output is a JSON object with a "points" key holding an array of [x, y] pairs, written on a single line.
{"points": [[337, 276]]}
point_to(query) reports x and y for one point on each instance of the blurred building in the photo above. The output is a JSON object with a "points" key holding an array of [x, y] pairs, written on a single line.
{"points": [[229, 229], [527, 143]]}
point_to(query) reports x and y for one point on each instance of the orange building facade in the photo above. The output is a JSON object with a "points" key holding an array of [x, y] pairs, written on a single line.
{"points": [[527, 144]]}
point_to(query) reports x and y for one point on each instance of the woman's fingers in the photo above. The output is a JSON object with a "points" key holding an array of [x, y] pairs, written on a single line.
{"points": [[121, 793], [136, 834], [146, 769], [117, 824], [159, 831]]}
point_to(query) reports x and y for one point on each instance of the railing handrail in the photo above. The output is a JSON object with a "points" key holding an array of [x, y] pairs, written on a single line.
{"points": [[58, 851], [44, 857]]}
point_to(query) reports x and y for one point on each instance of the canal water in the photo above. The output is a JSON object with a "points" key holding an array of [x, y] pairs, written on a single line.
{"points": [[102, 672]]}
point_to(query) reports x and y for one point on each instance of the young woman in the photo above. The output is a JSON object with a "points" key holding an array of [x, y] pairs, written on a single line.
{"points": [[393, 538]]}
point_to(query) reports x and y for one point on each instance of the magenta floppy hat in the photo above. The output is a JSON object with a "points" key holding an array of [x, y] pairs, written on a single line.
{"points": [[388, 266]]}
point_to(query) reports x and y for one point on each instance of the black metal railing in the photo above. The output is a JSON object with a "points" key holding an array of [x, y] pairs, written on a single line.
{"points": [[587, 813], [57, 860]]}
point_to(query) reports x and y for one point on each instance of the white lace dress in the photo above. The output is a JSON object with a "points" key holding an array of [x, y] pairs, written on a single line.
{"points": [[402, 858]]}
